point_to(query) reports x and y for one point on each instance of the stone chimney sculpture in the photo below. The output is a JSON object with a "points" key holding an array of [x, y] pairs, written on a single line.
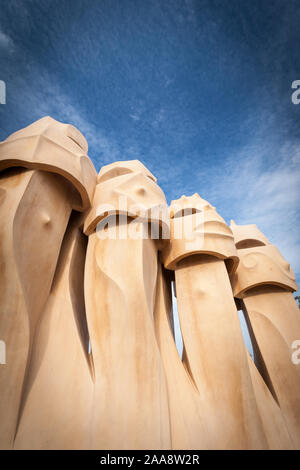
{"points": [[264, 282], [86, 311], [130, 403], [45, 173], [215, 355]]}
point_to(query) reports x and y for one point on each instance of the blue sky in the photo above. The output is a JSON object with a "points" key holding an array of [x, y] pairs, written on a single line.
{"points": [[199, 90]]}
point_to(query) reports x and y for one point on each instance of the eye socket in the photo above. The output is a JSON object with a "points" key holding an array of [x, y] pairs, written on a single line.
{"points": [[77, 143], [113, 173], [185, 212], [75, 135], [151, 178], [119, 171], [250, 243]]}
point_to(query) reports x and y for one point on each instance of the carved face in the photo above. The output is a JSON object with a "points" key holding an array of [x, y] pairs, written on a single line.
{"points": [[248, 236], [126, 189], [262, 265], [55, 147], [63, 134], [197, 228], [193, 219]]}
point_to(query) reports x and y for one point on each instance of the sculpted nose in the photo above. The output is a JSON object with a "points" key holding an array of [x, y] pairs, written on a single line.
{"points": [[141, 191]]}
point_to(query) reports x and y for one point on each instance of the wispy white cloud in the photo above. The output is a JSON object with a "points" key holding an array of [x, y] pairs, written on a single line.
{"points": [[6, 43], [247, 190], [135, 117], [48, 98]]}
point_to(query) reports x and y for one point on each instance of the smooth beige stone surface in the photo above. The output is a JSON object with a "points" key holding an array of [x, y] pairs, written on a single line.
{"points": [[196, 227], [14, 327], [274, 319], [91, 360], [130, 402], [133, 193], [261, 266], [122, 168], [55, 147], [275, 429], [190, 428], [215, 352], [263, 280], [246, 236], [35, 210], [187, 205], [57, 410]]}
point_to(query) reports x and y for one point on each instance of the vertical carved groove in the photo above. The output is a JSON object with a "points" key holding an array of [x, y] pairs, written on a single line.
{"points": [[40, 222], [76, 283], [258, 357]]}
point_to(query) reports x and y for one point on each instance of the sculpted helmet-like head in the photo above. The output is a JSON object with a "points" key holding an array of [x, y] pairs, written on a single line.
{"points": [[261, 264], [126, 188], [56, 147], [197, 228], [246, 236]]}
